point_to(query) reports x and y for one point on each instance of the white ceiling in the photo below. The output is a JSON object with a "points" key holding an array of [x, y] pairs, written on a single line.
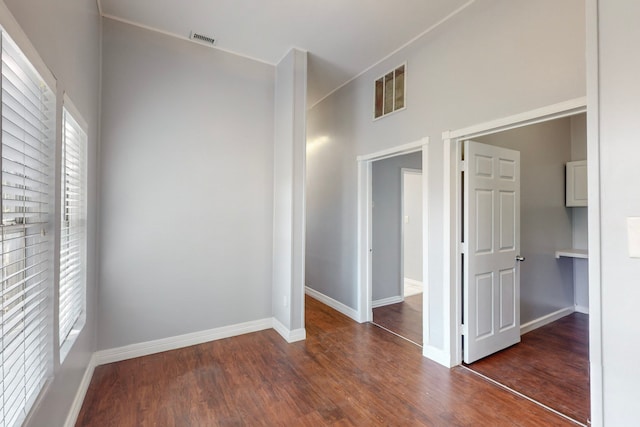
{"points": [[343, 37]]}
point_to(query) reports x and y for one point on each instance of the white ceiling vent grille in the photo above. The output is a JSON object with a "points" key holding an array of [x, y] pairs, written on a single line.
{"points": [[201, 38]]}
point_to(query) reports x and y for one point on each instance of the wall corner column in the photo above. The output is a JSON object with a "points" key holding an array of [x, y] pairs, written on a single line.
{"points": [[289, 195]]}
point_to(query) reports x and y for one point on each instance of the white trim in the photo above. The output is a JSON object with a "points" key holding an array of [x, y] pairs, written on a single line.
{"points": [[452, 281], [336, 305], [545, 320], [14, 30], [289, 335], [185, 38], [75, 113], [594, 226], [364, 256], [394, 151], [172, 343], [438, 355], [538, 115], [365, 184], [428, 30], [386, 301], [426, 332], [76, 405], [581, 309]]}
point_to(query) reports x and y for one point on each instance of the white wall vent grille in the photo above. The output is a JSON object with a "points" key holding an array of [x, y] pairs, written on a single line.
{"points": [[202, 38]]}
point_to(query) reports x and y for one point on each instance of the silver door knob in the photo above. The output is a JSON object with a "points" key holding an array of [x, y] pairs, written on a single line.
{"points": [[519, 258]]}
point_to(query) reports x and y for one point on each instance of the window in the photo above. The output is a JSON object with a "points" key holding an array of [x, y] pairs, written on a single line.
{"points": [[390, 92], [28, 131], [72, 299]]}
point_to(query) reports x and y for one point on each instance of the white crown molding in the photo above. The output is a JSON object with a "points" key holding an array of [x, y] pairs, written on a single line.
{"points": [[425, 32], [181, 37]]}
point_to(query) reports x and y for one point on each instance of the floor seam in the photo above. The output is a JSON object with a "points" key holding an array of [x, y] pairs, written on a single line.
{"points": [[524, 396], [396, 334]]}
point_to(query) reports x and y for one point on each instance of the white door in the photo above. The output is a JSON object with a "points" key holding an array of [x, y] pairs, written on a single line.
{"points": [[491, 257]]}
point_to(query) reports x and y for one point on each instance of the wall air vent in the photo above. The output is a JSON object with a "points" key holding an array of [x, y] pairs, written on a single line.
{"points": [[202, 38]]}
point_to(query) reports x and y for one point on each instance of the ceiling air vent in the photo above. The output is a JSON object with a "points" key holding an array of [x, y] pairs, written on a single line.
{"points": [[202, 38]]}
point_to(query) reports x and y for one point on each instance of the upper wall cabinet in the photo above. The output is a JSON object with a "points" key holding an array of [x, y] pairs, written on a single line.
{"points": [[576, 184]]}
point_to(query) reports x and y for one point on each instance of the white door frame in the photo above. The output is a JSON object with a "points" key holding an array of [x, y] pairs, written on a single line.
{"points": [[452, 215], [403, 172], [365, 214]]}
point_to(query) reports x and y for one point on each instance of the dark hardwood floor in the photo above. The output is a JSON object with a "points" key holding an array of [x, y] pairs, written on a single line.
{"points": [[403, 318], [344, 374], [550, 365]]}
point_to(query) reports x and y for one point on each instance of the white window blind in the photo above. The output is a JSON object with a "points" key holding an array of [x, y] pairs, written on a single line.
{"points": [[72, 231], [28, 132]]}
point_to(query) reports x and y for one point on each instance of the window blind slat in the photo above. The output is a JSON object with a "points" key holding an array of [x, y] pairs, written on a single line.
{"points": [[27, 127], [72, 241]]}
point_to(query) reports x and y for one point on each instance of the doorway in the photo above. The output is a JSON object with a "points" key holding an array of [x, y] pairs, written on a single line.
{"points": [[553, 355], [397, 289], [365, 229], [554, 314]]}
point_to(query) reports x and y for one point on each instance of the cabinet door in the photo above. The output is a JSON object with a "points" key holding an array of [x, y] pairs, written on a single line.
{"points": [[576, 184]]}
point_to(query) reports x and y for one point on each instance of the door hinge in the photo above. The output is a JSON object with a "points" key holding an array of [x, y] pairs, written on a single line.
{"points": [[463, 165], [462, 247], [463, 330]]}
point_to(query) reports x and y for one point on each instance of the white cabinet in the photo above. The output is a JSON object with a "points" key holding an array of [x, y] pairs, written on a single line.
{"points": [[576, 176]]}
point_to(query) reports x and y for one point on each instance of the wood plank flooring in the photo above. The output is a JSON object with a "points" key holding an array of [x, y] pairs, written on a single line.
{"points": [[403, 318], [343, 374], [550, 365]]}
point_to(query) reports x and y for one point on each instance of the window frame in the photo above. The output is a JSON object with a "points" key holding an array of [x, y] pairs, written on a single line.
{"points": [[67, 339]]}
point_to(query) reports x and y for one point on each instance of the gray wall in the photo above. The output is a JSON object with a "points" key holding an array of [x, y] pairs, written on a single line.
{"points": [[619, 104], [187, 180], [495, 59], [66, 34], [580, 217], [387, 223], [546, 283]]}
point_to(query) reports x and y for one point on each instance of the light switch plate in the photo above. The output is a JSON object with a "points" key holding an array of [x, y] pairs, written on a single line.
{"points": [[633, 231]]}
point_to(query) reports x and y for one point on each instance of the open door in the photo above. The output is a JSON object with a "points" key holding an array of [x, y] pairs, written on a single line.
{"points": [[492, 250]]}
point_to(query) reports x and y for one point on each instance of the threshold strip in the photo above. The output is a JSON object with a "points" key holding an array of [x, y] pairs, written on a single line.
{"points": [[396, 334], [499, 384]]}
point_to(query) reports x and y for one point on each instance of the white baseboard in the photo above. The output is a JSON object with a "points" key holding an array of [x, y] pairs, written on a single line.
{"points": [[544, 320], [582, 309], [437, 355], [76, 406], [289, 335], [172, 343], [386, 301], [336, 305], [413, 282]]}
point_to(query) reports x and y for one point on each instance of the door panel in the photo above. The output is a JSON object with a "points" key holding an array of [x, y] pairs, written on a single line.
{"points": [[492, 233]]}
